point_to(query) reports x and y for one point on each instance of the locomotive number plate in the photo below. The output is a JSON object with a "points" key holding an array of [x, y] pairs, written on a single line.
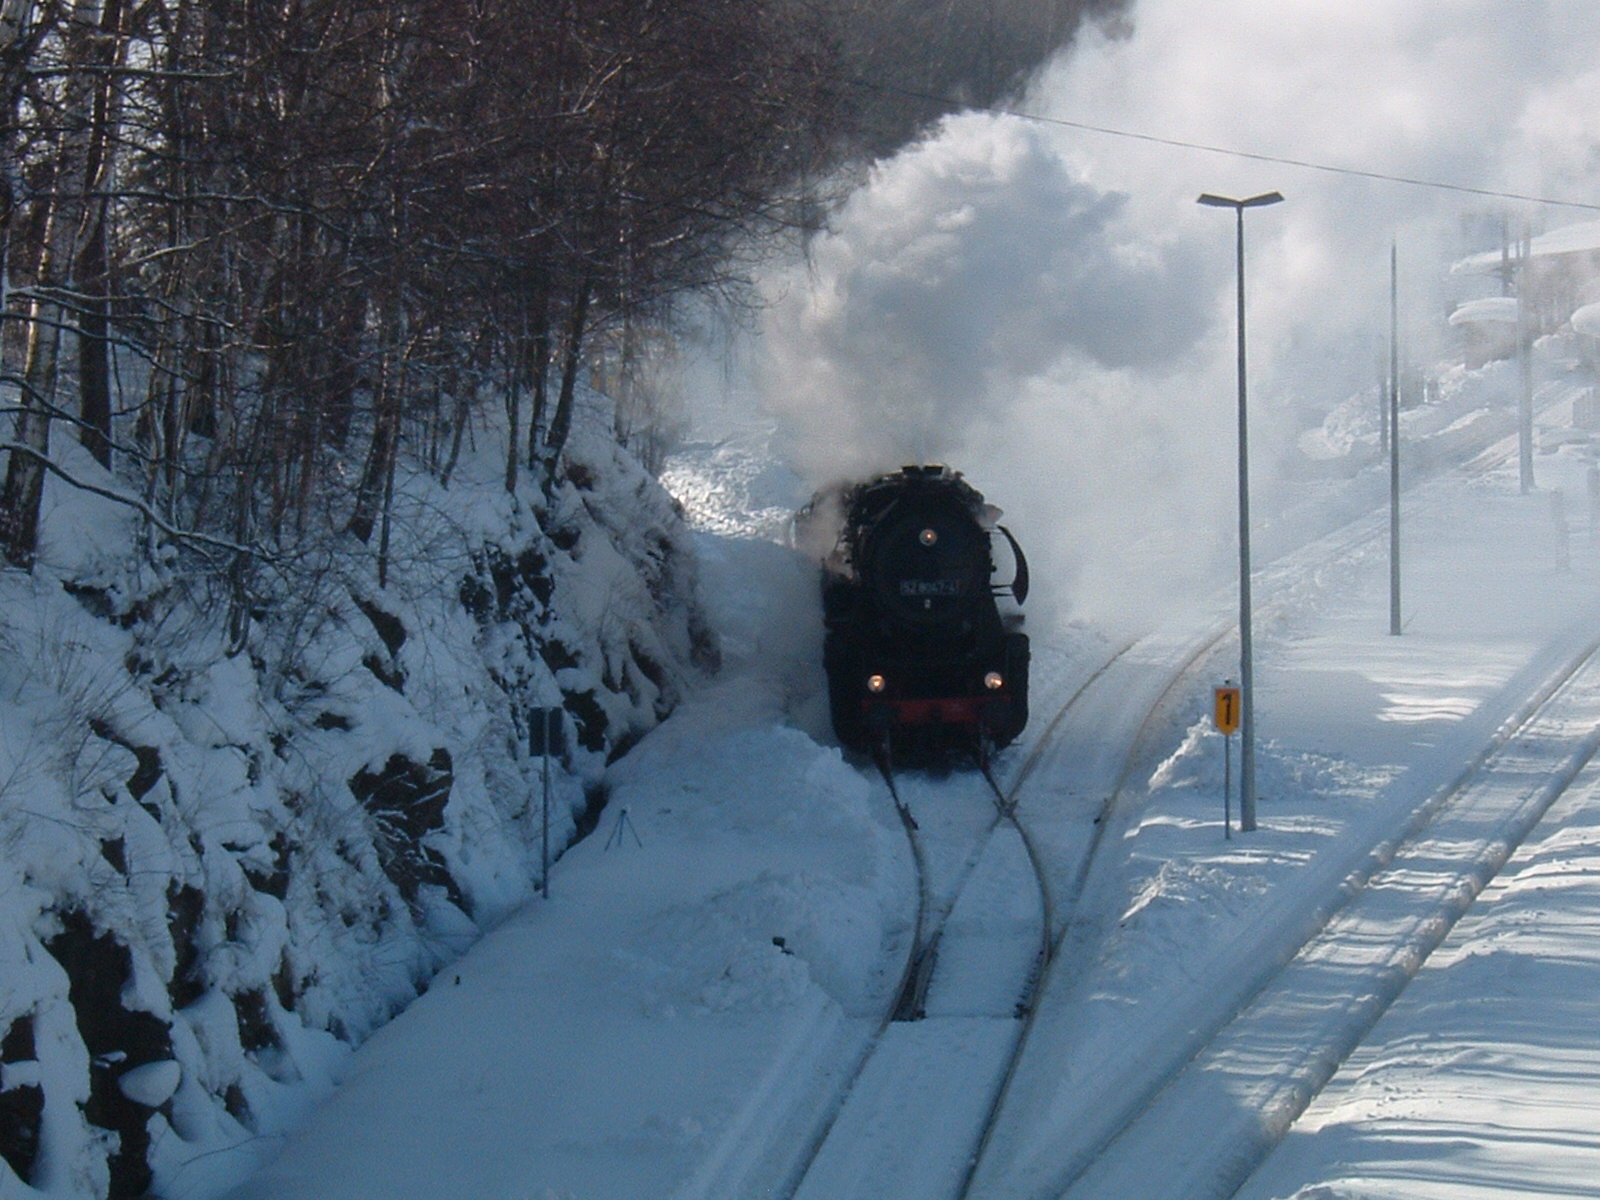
{"points": [[930, 587]]}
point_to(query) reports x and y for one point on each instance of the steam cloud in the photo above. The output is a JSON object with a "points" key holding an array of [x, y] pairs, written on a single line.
{"points": [[968, 263], [1047, 309]]}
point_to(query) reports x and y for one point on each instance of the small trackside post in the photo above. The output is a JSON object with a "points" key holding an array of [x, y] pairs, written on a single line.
{"points": [[1225, 714], [544, 739]]}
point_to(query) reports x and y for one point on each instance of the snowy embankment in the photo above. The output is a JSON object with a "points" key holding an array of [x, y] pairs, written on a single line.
{"points": [[226, 865]]}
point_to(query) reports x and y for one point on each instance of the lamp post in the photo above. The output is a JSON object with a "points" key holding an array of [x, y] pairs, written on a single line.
{"points": [[1247, 721], [1392, 422]]}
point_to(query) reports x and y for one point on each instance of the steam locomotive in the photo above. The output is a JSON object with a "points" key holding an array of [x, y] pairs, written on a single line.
{"points": [[919, 654]]}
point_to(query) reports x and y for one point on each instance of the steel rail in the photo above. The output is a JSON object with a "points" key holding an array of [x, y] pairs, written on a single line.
{"points": [[916, 972]]}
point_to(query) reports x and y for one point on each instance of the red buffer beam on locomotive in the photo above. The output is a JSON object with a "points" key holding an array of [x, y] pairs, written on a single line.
{"points": [[922, 649]]}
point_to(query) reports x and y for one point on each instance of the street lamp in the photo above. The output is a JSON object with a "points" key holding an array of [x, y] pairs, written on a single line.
{"points": [[1392, 423], [1247, 718]]}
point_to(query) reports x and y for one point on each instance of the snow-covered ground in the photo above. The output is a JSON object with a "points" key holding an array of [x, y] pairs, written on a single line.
{"points": [[1481, 1081], [674, 1019], [227, 863]]}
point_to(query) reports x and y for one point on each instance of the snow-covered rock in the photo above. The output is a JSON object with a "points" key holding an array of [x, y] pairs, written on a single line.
{"points": [[228, 862]]}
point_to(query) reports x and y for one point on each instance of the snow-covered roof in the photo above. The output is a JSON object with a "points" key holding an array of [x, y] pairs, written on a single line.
{"points": [[1499, 309], [1587, 320], [1569, 239]]}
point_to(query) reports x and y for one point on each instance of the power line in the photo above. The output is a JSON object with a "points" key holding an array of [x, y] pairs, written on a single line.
{"points": [[1308, 164], [946, 104]]}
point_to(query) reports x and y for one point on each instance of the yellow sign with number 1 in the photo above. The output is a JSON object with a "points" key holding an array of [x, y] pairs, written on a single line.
{"points": [[1227, 711]]}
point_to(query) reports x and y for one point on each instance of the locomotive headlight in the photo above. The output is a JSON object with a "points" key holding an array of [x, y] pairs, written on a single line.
{"points": [[928, 537], [875, 684], [994, 681]]}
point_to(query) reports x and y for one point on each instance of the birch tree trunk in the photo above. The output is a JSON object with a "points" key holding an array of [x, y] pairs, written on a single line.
{"points": [[93, 266], [23, 491]]}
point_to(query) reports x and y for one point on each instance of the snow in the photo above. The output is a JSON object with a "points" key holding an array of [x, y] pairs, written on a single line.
{"points": [[1582, 237], [1501, 310], [689, 1006], [1586, 320], [199, 915], [1481, 1081], [152, 1084], [712, 959]]}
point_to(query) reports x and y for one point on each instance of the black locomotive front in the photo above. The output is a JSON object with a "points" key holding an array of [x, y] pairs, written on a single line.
{"points": [[917, 650]]}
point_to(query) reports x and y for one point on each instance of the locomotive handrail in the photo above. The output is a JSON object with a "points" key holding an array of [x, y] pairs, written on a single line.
{"points": [[1018, 587]]}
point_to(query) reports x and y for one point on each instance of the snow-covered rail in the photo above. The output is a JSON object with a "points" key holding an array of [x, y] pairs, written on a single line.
{"points": [[920, 1107], [921, 948], [952, 1040], [1284, 585], [950, 1017]]}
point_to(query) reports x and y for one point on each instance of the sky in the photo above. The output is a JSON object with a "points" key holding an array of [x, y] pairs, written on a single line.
{"points": [[1046, 307]]}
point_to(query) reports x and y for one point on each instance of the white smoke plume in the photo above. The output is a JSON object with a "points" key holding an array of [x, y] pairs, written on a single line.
{"points": [[1047, 309], [968, 263]]}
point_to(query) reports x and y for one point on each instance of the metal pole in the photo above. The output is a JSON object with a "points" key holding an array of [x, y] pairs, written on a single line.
{"points": [[1525, 367], [1383, 410], [1592, 479], [1227, 787], [544, 866], [1247, 716], [1394, 441]]}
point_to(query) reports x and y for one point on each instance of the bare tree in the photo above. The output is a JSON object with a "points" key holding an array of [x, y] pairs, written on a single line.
{"points": [[912, 61], [61, 184], [327, 231]]}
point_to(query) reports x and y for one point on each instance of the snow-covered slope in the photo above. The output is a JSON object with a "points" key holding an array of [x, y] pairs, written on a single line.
{"points": [[227, 864]]}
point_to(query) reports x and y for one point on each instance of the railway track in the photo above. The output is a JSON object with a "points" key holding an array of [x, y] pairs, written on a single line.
{"points": [[1278, 584], [960, 1010], [1305, 1016], [934, 1016], [839, 1160], [1180, 1068]]}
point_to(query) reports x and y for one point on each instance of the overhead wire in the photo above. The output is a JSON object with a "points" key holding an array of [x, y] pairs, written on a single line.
{"points": [[949, 104]]}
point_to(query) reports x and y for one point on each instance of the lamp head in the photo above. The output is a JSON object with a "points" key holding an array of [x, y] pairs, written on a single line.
{"points": [[1260, 201]]}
